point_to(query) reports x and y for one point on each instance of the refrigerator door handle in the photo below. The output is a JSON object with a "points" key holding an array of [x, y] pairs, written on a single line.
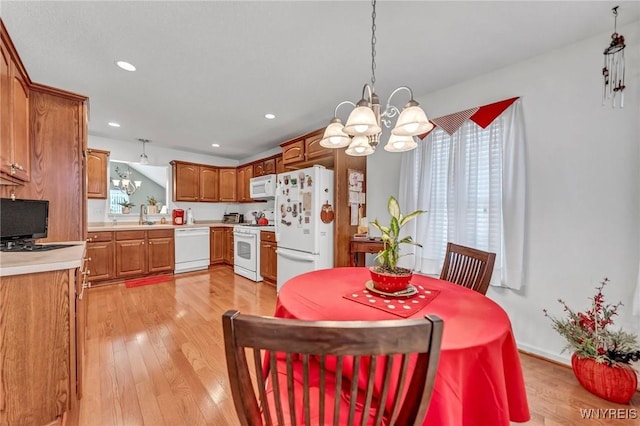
{"points": [[292, 256]]}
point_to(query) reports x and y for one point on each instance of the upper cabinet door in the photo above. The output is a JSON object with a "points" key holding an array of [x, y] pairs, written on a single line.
{"points": [[21, 146], [228, 184], [186, 182], [6, 151], [269, 166], [313, 149], [15, 148], [258, 169], [209, 185], [293, 152], [97, 164]]}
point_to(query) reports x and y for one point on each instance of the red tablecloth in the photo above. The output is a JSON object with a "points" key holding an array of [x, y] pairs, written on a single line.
{"points": [[479, 379]]}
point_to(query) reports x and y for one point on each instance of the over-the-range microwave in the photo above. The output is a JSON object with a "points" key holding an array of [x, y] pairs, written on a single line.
{"points": [[262, 187]]}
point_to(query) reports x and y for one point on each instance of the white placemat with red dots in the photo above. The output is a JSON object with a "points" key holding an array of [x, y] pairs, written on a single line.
{"points": [[402, 306]]}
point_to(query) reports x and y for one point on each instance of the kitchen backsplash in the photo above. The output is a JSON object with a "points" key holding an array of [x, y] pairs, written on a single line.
{"points": [[97, 210]]}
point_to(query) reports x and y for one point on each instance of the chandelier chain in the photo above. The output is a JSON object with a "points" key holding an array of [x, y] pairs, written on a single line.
{"points": [[373, 44]]}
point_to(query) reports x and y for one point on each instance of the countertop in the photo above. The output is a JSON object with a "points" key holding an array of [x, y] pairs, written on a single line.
{"points": [[18, 263], [130, 226]]}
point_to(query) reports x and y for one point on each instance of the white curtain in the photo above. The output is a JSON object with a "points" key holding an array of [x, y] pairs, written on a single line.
{"points": [[472, 185]]}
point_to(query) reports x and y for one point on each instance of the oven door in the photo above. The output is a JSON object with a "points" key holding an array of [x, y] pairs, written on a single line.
{"points": [[245, 250]]}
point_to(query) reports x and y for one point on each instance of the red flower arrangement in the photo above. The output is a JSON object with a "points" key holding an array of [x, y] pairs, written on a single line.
{"points": [[589, 336]]}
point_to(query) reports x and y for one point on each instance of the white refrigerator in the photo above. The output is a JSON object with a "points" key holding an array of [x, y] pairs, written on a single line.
{"points": [[304, 213]]}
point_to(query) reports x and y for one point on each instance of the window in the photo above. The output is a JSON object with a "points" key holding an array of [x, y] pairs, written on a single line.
{"points": [[115, 198], [467, 182]]}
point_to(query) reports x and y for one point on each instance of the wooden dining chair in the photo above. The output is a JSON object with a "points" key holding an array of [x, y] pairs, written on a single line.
{"points": [[468, 267], [331, 372]]}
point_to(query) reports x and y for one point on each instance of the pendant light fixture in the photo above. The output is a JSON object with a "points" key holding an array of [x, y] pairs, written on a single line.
{"points": [[362, 131], [613, 69], [143, 157]]}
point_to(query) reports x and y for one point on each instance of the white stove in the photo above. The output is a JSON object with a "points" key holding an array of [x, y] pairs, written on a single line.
{"points": [[246, 241]]}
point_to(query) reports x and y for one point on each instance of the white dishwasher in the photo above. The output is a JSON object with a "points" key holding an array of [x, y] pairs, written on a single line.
{"points": [[192, 249]]}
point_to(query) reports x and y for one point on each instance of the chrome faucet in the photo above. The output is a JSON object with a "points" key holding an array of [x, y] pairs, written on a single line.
{"points": [[143, 209]]}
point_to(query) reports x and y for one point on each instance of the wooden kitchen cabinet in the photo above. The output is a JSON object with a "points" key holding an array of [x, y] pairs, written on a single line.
{"points": [[228, 184], [15, 148], [293, 152], [218, 244], [268, 257], [305, 151], [131, 254], [264, 167], [312, 147], [160, 250], [229, 247], [101, 256], [209, 184], [280, 165], [269, 166], [258, 168], [97, 166], [41, 353], [186, 181], [245, 173]]}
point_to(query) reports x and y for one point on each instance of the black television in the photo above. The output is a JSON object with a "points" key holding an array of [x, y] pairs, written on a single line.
{"points": [[22, 221]]}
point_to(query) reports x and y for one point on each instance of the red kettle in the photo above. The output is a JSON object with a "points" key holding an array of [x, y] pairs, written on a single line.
{"points": [[262, 219]]}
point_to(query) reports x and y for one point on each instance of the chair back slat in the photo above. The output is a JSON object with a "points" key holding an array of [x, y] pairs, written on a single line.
{"points": [[468, 267], [328, 372]]}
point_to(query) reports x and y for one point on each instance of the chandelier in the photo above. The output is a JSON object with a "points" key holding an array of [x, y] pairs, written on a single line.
{"points": [[361, 133], [125, 184], [613, 69]]}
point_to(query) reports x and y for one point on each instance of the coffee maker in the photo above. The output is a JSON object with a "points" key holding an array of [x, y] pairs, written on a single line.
{"points": [[178, 216]]}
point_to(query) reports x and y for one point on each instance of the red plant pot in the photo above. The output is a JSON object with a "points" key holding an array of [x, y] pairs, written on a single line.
{"points": [[614, 383], [389, 283]]}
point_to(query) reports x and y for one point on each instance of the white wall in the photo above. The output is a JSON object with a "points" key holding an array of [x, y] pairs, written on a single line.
{"points": [[98, 211], [583, 182]]}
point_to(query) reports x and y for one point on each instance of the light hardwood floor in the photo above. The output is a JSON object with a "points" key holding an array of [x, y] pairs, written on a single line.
{"points": [[155, 356]]}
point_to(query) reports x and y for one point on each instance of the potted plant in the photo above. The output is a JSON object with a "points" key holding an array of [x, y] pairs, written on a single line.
{"points": [[388, 276], [601, 359], [152, 207], [126, 207]]}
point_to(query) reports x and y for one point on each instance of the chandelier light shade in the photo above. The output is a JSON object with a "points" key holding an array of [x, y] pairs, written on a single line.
{"points": [[400, 143], [614, 67], [334, 135], [412, 121], [360, 146], [362, 121], [363, 128]]}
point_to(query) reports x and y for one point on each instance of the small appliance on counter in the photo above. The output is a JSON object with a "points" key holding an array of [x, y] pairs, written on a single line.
{"points": [[178, 216], [262, 217], [233, 218]]}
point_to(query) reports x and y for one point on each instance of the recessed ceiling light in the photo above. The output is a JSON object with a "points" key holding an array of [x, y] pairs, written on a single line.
{"points": [[215, 145], [114, 124], [125, 66], [269, 116]]}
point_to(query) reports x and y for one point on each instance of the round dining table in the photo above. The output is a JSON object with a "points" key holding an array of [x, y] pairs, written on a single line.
{"points": [[479, 379]]}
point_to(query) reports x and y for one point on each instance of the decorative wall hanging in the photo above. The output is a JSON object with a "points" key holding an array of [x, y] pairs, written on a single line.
{"points": [[613, 70]]}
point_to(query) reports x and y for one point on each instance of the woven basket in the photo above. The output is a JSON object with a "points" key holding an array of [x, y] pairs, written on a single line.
{"points": [[613, 383]]}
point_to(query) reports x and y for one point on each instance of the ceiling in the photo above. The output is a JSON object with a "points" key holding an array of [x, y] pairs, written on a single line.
{"points": [[208, 71]]}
